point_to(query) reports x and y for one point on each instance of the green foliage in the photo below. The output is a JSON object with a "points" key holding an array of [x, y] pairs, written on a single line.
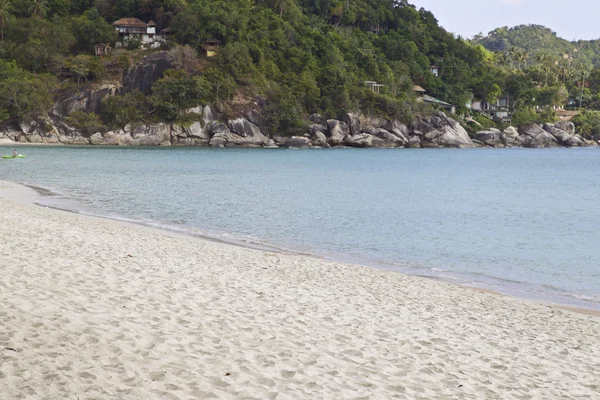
{"points": [[588, 124], [90, 29], [87, 124], [485, 123], [118, 111], [178, 91], [525, 116], [23, 93]]}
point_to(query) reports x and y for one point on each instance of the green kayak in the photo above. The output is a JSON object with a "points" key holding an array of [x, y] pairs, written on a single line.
{"points": [[19, 156]]}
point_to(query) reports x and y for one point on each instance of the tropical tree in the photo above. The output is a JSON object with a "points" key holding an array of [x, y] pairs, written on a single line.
{"points": [[39, 8], [5, 15]]}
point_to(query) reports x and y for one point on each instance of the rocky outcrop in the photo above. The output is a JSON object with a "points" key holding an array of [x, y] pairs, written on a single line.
{"points": [[337, 132], [563, 137], [143, 75], [89, 101], [534, 136], [510, 137], [297, 142], [353, 123], [491, 137], [360, 140], [446, 132]]}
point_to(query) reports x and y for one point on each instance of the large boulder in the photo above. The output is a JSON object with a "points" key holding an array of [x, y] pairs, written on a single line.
{"points": [[97, 139], [192, 135], [491, 137], [414, 142], [297, 142], [337, 132], [151, 135], [534, 136], [353, 123], [40, 130], [361, 140], [566, 126], [447, 133], [575, 141], [510, 137], [398, 129], [388, 137], [249, 134], [314, 128], [317, 119], [143, 75], [320, 140], [118, 138]]}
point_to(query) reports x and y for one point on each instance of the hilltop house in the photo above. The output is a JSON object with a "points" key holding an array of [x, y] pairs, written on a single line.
{"points": [[134, 30]]}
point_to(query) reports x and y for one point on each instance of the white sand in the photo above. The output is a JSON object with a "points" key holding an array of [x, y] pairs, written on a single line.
{"points": [[97, 309]]}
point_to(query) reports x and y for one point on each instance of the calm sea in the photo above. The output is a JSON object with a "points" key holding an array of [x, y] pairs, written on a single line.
{"points": [[525, 222]]}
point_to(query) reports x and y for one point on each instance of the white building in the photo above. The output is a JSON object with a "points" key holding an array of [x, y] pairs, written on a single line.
{"points": [[132, 29]]}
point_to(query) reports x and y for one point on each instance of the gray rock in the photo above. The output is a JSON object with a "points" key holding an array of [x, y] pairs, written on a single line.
{"points": [[97, 139], [297, 142], [143, 75], [535, 136], [398, 129], [575, 141], [320, 140], [250, 133], [568, 127], [491, 137], [73, 140], [388, 137], [337, 132], [353, 123], [118, 138], [361, 140], [414, 142], [151, 135], [89, 101], [510, 137], [448, 133], [215, 128], [317, 128], [317, 119]]}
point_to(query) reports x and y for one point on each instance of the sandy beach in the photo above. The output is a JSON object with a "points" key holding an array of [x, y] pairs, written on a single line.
{"points": [[98, 309]]}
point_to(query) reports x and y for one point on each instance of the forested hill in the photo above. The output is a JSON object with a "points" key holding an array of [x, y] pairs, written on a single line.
{"points": [[536, 38], [287, 58], [302, 56]]}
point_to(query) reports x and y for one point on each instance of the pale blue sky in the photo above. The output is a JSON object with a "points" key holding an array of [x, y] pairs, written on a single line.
{"points": [[570, 19]]}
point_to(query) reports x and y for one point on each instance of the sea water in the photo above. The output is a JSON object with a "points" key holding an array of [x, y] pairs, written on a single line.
{"points": [[525, 222]]}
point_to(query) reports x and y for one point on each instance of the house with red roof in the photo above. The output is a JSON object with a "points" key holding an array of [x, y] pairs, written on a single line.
{"points": [[135, 30]]}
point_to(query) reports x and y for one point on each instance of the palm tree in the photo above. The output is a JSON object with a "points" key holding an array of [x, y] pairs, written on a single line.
{"points": [[5, 14], [39, 8]]}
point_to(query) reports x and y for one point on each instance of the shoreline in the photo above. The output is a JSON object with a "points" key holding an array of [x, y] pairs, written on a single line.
{"points": [[377, 265], [99, 308]]}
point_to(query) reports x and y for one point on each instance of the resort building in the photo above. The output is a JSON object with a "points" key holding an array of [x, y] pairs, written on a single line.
{"points": [[134, 30]]}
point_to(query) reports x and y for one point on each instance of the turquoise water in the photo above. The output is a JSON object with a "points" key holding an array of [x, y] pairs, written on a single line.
{"points": [[522, 221]]}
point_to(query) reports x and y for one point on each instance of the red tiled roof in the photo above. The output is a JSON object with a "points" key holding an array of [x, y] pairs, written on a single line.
{"points": [[130, 22]]}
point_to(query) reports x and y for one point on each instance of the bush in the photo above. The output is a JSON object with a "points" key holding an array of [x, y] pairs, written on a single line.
{"points": [[178, 91], [85, 123], [588, 124], [118, 111]]}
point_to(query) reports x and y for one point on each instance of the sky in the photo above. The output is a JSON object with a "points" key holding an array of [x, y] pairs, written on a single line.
{"points": [[570, 19]]}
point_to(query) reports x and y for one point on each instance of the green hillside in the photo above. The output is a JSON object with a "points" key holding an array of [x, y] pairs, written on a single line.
{"points": [[291, 57], [534, 39]]}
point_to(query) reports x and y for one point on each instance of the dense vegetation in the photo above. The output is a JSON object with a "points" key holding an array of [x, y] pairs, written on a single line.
{"points": [[533, 39], [297, 56]]}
